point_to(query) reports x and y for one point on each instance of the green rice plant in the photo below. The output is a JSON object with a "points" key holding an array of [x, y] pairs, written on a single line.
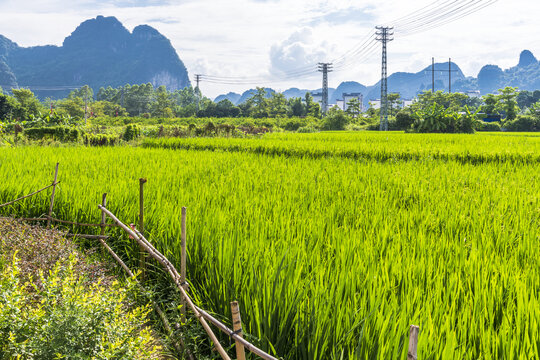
{"points": [[333, 243]]}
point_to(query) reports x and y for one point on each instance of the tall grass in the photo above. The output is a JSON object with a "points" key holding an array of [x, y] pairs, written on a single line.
{"points": [[331, 257]]}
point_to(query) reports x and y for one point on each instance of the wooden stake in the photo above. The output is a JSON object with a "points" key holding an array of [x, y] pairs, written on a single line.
{"points": [[413, 342], [175, 276], [237, 327], [183, 262], [103, 215], [142, 257], [52, 196]]}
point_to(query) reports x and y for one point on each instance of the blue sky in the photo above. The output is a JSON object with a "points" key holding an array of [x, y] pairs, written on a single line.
{"points": [[264, 38]]}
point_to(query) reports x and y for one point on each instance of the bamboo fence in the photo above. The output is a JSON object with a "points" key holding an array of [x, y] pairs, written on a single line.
{"points": [[179, 279]]}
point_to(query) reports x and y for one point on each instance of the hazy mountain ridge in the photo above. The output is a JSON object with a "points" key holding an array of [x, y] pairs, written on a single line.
{"points": [[100, 52], [525, 75]]}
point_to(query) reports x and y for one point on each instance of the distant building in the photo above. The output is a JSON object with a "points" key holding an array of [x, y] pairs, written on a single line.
{"points": [[375, 103], [473, 93], [407, 102], [340, 104], [317, 97]]}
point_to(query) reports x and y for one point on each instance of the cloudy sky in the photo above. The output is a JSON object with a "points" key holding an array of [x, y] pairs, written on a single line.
{"points": [[276, 42]]}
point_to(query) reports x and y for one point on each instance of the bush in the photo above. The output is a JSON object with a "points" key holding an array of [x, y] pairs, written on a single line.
{"points": [[523, 123], [100, 140], [64, 317], [335, 120], [307, 129], [404, 120], [488, 126], [132, 132], [60, 133]]}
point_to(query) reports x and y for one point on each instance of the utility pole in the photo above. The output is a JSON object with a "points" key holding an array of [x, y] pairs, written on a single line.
{"points": [[384, 35], [433, 75], [197, 89], [85, 108], [450, 71], [449, 75], [325, 68]]}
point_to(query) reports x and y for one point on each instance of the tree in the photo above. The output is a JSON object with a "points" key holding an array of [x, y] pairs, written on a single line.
{"points": [[312, 108], [74, 107], [394, 100], [278, 105], [260, 107], [353, 107], [8, 107], [490, 104], [336, 119], [296, 107], [29, 104], [507, 102], [163, 104]]}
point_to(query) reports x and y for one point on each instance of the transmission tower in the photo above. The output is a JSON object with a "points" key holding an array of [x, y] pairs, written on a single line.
{"points": [[384, 35], [325, 68], [197, 89]]}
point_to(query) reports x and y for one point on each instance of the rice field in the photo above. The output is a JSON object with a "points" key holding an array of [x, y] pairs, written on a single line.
{"points": [[333, 243]]}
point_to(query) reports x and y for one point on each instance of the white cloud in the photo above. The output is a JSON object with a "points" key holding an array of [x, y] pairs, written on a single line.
{"points": [[235, 38], [298, 52]]}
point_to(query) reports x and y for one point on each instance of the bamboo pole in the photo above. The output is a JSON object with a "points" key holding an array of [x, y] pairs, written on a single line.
{"points": [[237, 327], [27, 196], [103, 216], [249, 346], [142, 260], [52, 195], [183, 263], [176, 277], [156, 307], [413, 342], [90, 237]]}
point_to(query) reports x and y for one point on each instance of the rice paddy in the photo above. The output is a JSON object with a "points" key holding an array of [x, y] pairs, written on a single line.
{"points": [[332, 243]]}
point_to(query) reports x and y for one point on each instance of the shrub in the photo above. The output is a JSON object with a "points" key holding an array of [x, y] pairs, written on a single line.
{"points": [[404, 120], [60, 133], [307, 129], [65, 317], [523, 123], [132, 132], [100, 140], [336, 120], [488, 126]]}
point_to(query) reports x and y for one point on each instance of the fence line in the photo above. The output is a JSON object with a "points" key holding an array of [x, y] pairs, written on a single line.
{"points": [[29, 195], [179, 279]]}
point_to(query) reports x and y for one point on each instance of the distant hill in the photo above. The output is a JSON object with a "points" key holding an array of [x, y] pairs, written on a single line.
{"points": [[100, 52], [525, 75]]}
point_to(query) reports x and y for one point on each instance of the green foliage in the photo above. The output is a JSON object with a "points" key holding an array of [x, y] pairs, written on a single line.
{"points": [[507, 103], [64, 317], [523, 123], [345, 239], [132, 132], [28, 104], [100, 140], [60, 133], [404, 120], [336, 119], [9, 107], [488, 126]]}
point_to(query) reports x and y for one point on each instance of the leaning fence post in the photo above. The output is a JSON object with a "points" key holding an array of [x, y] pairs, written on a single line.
{"points": [[142, 257], [413, 342], [183, 261], [52, 196], [237, 327], [103, 215]]}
